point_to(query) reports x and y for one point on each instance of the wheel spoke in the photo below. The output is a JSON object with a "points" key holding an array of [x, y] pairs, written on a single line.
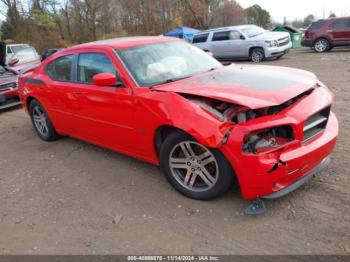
{"points": [[207, 161], [179, 165], [190, 150], [174, 160], [206, 177], [37, 118], [188, 177], [204, 155]]}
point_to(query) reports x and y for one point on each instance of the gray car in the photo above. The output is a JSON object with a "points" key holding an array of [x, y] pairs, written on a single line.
{"points": [[243, 42]]}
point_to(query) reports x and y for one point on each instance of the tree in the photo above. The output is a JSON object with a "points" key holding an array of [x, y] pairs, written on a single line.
{"points": [[258, 16], [332, 15], [308, 20]]}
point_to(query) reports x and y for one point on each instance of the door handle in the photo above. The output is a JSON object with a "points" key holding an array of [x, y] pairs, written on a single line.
{"points": [[78, 93]]}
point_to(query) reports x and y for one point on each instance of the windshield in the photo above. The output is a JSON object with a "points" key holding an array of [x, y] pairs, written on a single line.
{"points": [[18, 48], [165, 62], [252, 31]]}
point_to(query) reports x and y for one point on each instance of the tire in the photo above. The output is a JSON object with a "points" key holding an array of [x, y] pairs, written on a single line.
{"points": [[257, 55], [41, 122], [206, 176], [321, 45]]}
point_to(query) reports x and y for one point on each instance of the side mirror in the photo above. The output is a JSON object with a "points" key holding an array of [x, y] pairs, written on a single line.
{"points": [[13, 61], [242, 37], [104, 79]]}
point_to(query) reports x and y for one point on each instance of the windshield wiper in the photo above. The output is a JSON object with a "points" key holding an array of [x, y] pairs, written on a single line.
{"points": [[170, 80]]}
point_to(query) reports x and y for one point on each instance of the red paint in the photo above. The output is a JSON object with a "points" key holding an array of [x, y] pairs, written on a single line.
{"points": [[104, 79], [126, 119]]}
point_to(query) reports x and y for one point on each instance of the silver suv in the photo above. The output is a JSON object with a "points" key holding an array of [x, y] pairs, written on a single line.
{"points": [[243, 42]]}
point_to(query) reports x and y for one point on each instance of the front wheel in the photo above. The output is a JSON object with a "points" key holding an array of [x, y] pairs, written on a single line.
{"points": [[194, 170]]}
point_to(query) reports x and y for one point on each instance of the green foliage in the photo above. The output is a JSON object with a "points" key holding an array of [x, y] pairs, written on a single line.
{"points": [[43, 18], [258, 16], [308, 20], [7, 30]]}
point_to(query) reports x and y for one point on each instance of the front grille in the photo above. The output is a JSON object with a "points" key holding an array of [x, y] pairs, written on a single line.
{"points": [[8, 86], [316, 124]]}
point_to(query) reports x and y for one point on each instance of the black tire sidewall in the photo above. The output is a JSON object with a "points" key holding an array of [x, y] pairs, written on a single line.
{"points": [[226, 176], [52, 135], [261, 51]]}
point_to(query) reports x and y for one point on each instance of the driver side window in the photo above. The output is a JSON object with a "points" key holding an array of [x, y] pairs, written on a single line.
{"points": [[90, 64]]}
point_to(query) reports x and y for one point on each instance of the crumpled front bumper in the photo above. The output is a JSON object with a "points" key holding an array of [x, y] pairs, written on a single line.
{"points": [[294, 162]]}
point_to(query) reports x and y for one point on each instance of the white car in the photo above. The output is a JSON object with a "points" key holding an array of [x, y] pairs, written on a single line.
{"points": [[243, 42], [23, 52]]}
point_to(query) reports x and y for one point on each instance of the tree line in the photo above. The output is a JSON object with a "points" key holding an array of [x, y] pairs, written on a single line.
{"points": [[58, 23]]}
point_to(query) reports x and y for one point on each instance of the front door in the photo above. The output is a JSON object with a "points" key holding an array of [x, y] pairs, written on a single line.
{"points": [[103, 114]]}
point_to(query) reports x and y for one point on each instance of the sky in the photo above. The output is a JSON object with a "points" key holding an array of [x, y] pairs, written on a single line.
{"points": [[298, 9], [295, 9]]}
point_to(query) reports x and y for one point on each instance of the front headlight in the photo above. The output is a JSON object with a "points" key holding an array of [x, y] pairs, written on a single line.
{"points": [[271, 43]]}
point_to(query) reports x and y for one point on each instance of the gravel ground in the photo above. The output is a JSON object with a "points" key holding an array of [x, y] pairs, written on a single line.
{"points": [[70, 197]]}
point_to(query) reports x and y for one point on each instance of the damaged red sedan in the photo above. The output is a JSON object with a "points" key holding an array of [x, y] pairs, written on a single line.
{"points": [[166, 102]]}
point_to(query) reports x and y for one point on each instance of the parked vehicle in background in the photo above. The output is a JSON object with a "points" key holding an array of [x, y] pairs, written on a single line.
{"points": [[325, 34], [49, 52], [25, 54], [169, 103], [14, 60], [243, 42], [8, 87]]}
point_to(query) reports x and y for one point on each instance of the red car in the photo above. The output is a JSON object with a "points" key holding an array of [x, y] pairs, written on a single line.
{"points": [[167, 102], [325, 34]]}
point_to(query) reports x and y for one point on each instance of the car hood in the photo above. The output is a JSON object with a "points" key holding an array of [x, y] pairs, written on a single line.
{"points": [[253, 86], [268, 36]]}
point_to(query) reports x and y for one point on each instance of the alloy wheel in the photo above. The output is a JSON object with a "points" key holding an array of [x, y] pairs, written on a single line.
{"points": [[257, 56], [40, 122], [321, 45], [193, 166]]}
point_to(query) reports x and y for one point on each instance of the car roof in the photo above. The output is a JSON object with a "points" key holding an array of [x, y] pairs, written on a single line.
{"points": [[125, 42], [331, 18], [234, 27]]}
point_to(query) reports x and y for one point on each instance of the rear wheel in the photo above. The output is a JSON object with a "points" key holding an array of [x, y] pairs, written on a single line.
{"points": [[41, 122], [257, 55], [321, 45], [194, 170]]}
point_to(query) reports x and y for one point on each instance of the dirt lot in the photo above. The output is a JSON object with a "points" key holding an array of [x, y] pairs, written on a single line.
{"points": [[70, 197]]}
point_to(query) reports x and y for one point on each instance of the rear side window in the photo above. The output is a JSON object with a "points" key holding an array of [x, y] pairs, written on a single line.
{"points": [[61, 68], [341, 24], [91, 64], [200, 38], [221, 36], [316, 25]]}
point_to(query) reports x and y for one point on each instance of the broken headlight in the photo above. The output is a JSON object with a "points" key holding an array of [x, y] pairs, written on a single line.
{"points": [[268, 139]]}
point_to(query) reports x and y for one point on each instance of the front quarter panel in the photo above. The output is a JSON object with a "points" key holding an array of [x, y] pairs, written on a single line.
{"points": [[154, 109]]}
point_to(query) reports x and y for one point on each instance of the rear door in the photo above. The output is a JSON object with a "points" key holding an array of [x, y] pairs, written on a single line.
{"points": [[228, 44], [340, 31]]}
